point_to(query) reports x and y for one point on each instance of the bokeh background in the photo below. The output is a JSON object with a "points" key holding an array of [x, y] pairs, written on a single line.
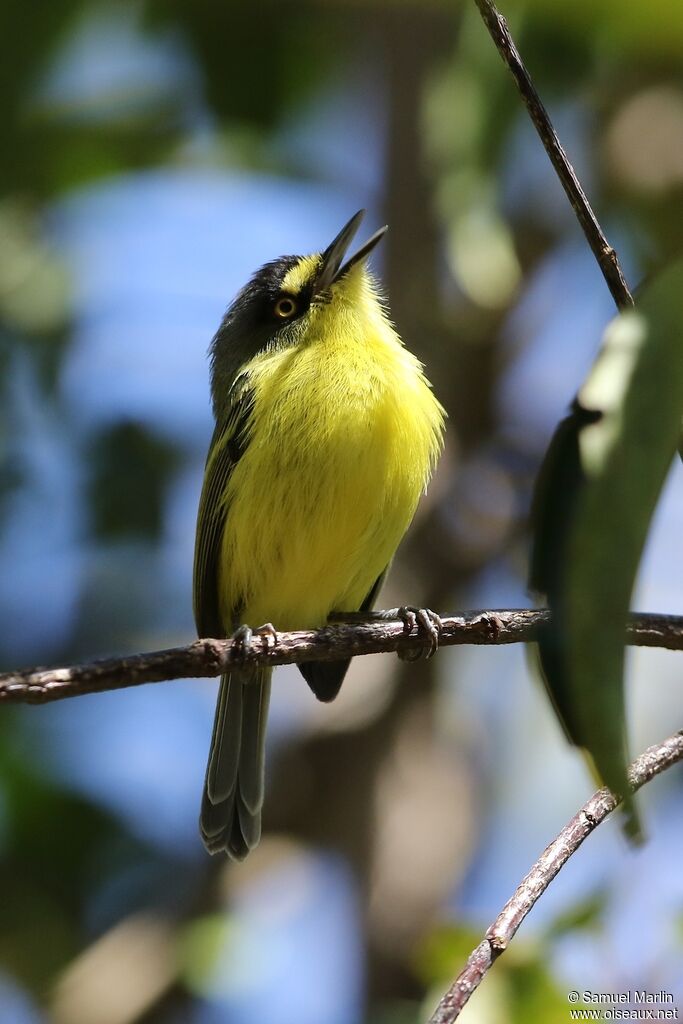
{"points": [[154, 154]]}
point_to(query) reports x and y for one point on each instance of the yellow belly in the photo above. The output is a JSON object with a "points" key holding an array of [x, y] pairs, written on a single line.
{"points": [[342, 445]]}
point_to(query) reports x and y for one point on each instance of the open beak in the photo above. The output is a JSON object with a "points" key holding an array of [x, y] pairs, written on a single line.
{"points": [[332, 269]]}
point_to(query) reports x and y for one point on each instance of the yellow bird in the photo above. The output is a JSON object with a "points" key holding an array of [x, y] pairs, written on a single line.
{"points": [[327, 433]]}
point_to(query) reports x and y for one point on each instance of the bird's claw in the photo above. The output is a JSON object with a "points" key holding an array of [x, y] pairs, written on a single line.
{"points": [[243, 638], [268, 634], [427, 622]]}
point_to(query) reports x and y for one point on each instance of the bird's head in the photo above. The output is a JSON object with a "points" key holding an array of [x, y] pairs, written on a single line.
{"points": [[294, 300]]}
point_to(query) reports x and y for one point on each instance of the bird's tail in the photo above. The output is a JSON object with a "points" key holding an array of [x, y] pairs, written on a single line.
{"points": [[230, 817]]}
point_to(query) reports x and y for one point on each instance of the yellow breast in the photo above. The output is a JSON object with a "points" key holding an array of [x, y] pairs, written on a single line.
{"points": [[345, 433]]}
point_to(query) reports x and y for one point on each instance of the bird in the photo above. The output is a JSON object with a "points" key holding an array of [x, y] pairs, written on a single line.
{"points": [[327, 433]]}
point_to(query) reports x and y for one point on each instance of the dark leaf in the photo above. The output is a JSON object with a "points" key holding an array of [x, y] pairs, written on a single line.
{"points": [[596, 495]]}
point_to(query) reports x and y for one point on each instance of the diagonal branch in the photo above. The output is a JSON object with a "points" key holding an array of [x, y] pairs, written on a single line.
{"points": [[605, 255], [381, 632], [655, 760]]}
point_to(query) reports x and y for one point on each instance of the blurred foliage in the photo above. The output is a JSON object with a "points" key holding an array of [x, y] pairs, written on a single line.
{"points": [[583, 916], [48, 862], [25, 50], [442, 948], [202, 941], [33, 285], [235, 81], [618, 29], [525, 988], [292, 50], [132, 469]]}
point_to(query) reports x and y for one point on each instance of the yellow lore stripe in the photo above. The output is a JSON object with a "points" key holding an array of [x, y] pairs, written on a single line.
{"points": [[295, 279]]}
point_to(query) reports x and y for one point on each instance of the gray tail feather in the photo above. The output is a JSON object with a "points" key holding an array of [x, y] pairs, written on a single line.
{"points": [[230, 817]]}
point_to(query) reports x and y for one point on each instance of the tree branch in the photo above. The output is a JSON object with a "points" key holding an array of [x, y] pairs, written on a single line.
{"points": [[655, 760], [383, 632], [605, 255]]}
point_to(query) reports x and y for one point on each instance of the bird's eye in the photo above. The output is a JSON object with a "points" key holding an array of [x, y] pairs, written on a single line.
{"points": [[285, 307]]}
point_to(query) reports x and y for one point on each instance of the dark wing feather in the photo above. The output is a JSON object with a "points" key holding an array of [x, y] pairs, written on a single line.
{"points": [[233, 791], [227, 445], [325, 677]]}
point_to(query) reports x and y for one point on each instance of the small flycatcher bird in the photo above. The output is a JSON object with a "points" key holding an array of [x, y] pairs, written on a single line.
{"points": [[326, 435]]}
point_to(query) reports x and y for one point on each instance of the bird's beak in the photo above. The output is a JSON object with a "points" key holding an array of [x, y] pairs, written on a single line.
{"points": [[331, 269]]}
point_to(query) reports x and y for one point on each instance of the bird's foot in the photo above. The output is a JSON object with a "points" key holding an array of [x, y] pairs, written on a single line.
{"points": [[269, 635], [243, 638], [427, 622], [424, 619]]}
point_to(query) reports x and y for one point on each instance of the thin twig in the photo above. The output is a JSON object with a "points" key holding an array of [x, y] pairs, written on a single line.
{"points": [[655, 760], [607, 258], [372, 636]]}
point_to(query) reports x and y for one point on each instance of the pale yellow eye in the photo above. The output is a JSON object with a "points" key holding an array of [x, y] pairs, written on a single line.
{"points": [[285, 307]]}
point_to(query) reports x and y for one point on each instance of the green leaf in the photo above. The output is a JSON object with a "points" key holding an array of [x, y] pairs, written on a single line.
{"points": [[583, 916], [635, 390]]}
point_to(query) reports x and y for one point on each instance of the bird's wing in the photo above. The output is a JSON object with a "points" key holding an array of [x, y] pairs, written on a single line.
{"points": [[325, 677], [227, 446]]}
